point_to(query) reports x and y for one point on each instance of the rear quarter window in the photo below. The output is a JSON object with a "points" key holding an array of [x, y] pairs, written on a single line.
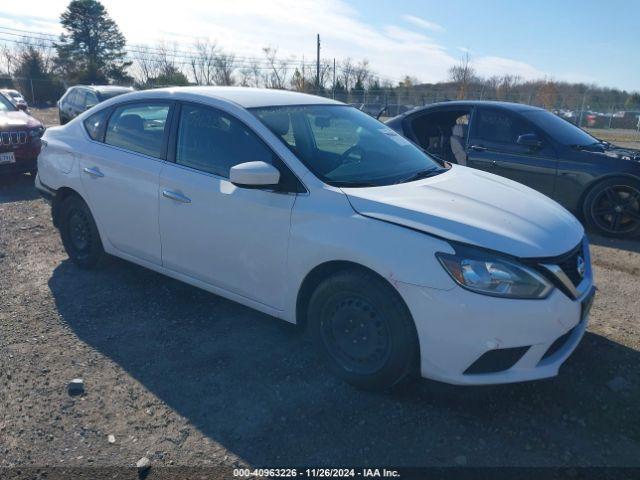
{"points": [[94, 125]]}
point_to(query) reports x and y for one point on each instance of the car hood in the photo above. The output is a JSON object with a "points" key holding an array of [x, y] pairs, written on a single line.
{"points": [[620, 153], [17, 119], [477, 208]]}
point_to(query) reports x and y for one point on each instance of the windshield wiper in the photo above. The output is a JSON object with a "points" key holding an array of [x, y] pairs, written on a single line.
{"points": [[432, 172], [353, 184]]}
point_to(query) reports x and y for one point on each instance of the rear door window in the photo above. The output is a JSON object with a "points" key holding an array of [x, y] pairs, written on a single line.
{"points": [[139, 127]]}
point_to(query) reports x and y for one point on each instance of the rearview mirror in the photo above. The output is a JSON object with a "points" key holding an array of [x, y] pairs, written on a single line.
{"points": [[529, 140], [254, 175]]}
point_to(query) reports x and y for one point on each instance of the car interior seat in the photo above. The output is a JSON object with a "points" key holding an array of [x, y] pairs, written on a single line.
{"points": [[457, 141]]}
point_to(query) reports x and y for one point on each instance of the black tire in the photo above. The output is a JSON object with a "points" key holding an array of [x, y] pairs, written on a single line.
{"points": [[612, 208], [79, 233], [357, 306]]}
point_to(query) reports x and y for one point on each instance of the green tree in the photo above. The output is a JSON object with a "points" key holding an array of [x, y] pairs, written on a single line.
{"points": [[92, 49], [170, 76], [34, 77]]}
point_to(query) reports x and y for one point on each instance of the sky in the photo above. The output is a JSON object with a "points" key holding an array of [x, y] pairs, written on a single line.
{"points": [[589, 41]]}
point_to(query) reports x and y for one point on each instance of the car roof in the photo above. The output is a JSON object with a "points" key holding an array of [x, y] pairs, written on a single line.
{"points": [[105, 88], [244, 96], [515, 107]]}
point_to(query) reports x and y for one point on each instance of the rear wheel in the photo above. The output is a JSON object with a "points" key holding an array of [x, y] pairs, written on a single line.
{"points": [[364, 330], [613, 207], [79, 233]]}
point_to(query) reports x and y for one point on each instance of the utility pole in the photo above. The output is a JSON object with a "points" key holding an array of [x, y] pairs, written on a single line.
{"points": [[318, 66]]}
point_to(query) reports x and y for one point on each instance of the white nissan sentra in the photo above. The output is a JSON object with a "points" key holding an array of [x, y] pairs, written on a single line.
{"points": [[313, 212]]}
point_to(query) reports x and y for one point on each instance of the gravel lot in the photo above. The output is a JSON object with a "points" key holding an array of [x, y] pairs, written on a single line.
{"points": [[187, 378]]}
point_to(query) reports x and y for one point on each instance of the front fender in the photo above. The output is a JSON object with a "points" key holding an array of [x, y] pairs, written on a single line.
{"points": [[336, 232]]}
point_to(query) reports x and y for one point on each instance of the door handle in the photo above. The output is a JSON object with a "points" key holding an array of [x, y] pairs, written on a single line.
{"points": [[478, 148], [178, 197], [93, 171]]}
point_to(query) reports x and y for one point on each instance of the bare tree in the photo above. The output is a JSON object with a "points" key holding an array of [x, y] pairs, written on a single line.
{"points": [[276, 73], [346, 73], [224, 66], [166, 57], [462, 74], [250, 75], [145, 64], [547, 95], [326, 73], [361, 73], [11, 57], [507, 86], [7, 59], [203, 62]]}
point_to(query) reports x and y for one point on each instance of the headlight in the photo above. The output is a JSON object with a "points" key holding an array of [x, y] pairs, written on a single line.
{"points": [[36, 132], [490, 274]]}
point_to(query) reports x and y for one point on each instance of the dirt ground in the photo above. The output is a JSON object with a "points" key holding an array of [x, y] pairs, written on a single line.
{"points": [[184, 377]]}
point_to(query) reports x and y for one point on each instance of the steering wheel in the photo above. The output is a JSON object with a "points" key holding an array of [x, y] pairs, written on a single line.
{"points": [[344, 158]]}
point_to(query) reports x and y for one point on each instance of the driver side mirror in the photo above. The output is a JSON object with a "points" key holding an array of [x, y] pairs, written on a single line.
{"points": [[22, 106], [254, 175], [529, 140]]}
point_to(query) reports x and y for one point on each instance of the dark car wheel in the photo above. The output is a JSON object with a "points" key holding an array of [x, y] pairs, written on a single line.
{"points": [[364, 330], [612, 207], [79, 233]]}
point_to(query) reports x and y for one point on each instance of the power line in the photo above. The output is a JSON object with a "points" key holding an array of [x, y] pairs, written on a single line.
{"points": [[178, 57]]}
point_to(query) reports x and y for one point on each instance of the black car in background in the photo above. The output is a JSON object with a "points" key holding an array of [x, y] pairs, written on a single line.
{"points": [[596, 180], [80, 98]]}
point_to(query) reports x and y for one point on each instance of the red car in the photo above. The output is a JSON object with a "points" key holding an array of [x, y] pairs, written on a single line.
{"points": [[19, 139]]}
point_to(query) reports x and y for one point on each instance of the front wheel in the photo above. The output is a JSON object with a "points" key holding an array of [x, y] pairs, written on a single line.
{"points": [[364, 330], [612, 207], [79, 233]]}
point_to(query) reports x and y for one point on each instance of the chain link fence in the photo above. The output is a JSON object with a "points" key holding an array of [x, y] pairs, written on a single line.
{"points": [[585, 110], [581, 110]]}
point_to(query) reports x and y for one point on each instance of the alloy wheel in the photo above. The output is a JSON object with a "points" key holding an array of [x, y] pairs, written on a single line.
{"points": [[616, 209]]}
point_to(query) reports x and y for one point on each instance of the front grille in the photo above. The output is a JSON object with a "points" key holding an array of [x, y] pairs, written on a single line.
{"points": [[13, 138], [564, 271], [570, 267]]}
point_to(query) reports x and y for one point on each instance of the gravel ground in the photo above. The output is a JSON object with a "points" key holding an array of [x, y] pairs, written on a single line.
{"points": [[184, 377]]}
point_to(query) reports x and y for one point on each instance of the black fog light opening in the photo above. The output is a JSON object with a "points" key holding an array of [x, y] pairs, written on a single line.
{"points": [[498, 360]]}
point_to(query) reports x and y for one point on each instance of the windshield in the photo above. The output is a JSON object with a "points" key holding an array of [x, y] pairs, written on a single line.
{"points": [[560, 129], [6, 105], [345, 147]]}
